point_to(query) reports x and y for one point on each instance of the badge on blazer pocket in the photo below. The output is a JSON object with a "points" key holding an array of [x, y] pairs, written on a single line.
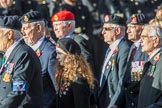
{"points": [[19, 86], [7, 77]]}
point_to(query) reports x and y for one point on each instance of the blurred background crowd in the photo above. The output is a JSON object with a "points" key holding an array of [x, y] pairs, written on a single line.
{"points": [[89, 13]]}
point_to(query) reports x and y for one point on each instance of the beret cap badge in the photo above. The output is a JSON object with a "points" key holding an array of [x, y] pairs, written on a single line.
{"points": [[134, 19], [106, 18], [26, 19], [55, 17]]}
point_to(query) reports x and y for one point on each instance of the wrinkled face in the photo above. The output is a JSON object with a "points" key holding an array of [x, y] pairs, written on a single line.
{"points": [[134, 32], [108, 32], [28, 31], [61, 29], [147, 42], [6, 3], [60, 56]]}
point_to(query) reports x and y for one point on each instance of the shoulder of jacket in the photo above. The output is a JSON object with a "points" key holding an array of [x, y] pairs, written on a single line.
{"points": [[81, 36]]}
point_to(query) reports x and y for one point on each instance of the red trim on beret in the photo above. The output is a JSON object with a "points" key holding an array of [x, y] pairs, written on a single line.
{"points": [[63, 15], [134, 19]]}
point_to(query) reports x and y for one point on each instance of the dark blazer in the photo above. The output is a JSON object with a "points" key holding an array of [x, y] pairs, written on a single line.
{"points": [[113, 75], [73, 95], [23, 89], [48, 58], [97, 48], [128, 97], [82, 41], [150, 95]]}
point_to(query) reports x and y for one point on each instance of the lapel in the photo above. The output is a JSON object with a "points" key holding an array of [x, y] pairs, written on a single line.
{"points": [[12, 55], [108, 67], [153, 61], [42, 46], [10, 58], [106, 72]]}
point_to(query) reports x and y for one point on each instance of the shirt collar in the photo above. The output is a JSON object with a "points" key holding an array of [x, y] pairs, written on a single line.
{"points": [[37, 45], [136, 44], [114, 44], [10, 49], [69, 35], [154, 53]]}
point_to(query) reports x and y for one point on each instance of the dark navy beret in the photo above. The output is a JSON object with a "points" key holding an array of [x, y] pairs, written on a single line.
{"points": [[69, 45], [31, 16], [114, 19], [137, 19], [11, 22]]}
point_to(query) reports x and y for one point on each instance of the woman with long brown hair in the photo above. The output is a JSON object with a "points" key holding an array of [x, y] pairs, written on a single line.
{"points": [[74, 76]]}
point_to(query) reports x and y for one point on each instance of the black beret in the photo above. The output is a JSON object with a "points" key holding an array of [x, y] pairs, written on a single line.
{"points": [[11, 22], [69, 45], [31, 16], [137, 19], [114, 19]]}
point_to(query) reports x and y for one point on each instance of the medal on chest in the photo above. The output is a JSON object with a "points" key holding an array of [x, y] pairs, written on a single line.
{"points": [[8, 71], [136, 72]]}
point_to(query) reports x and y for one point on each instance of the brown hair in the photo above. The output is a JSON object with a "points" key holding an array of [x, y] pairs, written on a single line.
{"points": [[156, 22], [5, 41], [75, 66]]}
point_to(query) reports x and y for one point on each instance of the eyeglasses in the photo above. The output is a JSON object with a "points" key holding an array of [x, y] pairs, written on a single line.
{"points": [[108, 28], [144, 37]]}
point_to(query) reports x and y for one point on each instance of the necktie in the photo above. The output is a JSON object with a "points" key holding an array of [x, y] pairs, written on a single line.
{"points": [[133, 52]]}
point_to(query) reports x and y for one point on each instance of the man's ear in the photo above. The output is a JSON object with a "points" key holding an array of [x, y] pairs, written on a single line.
{"points": [[39, 27], [156, 41], [118, 30]]}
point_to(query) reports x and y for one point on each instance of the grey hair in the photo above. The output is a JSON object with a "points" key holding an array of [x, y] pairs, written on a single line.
{"points": [[42, 22], [17, 33], [155, 31], [72, 23], [122, 27]]}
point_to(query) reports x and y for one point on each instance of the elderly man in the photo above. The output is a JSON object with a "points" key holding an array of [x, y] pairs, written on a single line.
{"points": [[128, 97], [20, 83], [115, 60], [64, 27], [33, 29], [150, 95]]}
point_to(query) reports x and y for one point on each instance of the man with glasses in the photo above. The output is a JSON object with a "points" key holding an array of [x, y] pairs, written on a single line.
{"points": [[128, 97], [150, 94], [115, 60]]}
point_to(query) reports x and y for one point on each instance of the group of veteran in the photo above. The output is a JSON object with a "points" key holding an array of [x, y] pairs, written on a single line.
{"points": [[27, 67], [131, 72], [28, 63]]}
